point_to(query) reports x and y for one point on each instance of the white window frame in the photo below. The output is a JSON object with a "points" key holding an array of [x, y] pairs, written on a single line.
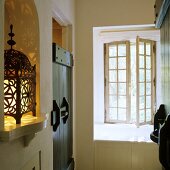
{"points": [[107, 95], [153, 79], [128, 81], [102, 35]]}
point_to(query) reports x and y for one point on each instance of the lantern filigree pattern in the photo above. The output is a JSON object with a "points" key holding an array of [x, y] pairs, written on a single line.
{"points": [[27, 95], [10, 96], [19, 83]]}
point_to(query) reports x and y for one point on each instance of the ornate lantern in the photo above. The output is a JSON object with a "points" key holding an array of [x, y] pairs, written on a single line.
{"points": [[19, 83]]}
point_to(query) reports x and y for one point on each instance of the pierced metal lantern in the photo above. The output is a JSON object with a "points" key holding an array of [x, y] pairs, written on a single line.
{"points": [[19, 83]]}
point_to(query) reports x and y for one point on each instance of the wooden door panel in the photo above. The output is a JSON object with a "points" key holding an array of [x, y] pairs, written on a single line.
{"points": [[62, 86]]}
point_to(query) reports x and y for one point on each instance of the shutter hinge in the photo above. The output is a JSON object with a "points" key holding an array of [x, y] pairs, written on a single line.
{"points": [[154, 48], [105, 81], [154, 82]]}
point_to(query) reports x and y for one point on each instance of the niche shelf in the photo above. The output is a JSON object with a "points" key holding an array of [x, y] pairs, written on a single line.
{"points": [[27, 39], [29, 126]]}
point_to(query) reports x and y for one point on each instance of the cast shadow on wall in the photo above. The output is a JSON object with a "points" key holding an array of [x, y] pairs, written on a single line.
{"points": [[23, 15]]}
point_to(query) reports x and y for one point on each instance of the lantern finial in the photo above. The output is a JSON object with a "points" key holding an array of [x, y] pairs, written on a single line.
{"points": [[11, 42]]}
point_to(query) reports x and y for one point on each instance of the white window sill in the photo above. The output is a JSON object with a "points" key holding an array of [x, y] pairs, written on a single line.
{"points": [[122, 132]]}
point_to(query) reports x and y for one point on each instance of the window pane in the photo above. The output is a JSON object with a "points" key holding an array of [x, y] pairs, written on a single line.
{"points": [[141, 61], [133, 112], [141, 89], [112, 101], [141, 47], [141, 116], [122, 75], [148, 49], [122, 50], [148, 88], [121, 114], [112, 63], [112, 88], [141, 102], [121, 63], [112, 51], [148, 75], [113, 113], [113, 76], [148, 101], [148, 62], [122, 101], [133, 51], [148, 114], [122, 88], [141, 75]]}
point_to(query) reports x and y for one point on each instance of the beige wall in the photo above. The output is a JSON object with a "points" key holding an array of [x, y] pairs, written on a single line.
{"points": [[113, 155], [13, 154], [88, 15]]}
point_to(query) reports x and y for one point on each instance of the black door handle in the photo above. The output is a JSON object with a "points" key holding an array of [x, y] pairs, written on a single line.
{"points": [[64, 110], [55, 116]]}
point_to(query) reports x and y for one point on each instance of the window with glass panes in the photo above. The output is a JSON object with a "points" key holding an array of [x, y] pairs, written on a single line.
{"points": [[117, 81], [145, 79], [129, 81]]}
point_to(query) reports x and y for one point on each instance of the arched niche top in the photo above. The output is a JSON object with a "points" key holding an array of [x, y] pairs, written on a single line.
{"points": [[23, 15]]}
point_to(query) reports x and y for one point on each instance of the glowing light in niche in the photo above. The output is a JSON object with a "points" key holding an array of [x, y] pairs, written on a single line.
{"points": [[19, 83], [26, 119]]}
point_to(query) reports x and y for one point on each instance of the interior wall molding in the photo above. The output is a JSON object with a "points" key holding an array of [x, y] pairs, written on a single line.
{"points": [[58, 15]]}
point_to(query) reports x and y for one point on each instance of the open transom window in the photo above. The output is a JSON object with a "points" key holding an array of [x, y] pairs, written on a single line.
{"points": [[130, 81]]}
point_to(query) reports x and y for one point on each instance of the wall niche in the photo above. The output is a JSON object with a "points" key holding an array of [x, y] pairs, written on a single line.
{"points": [[22, 14]]}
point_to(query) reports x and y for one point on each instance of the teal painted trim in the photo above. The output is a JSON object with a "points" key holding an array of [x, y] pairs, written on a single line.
{"points": [[162, 13]]}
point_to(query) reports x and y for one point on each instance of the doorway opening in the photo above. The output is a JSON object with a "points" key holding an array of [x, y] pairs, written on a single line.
{"points": [[57, 32]]}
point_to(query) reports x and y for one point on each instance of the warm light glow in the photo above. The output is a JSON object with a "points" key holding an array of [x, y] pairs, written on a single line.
{"points": [[9, 121], [26, 119]]}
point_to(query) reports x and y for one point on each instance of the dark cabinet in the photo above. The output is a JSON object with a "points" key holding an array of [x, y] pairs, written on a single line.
{"points": [[61, 115]]}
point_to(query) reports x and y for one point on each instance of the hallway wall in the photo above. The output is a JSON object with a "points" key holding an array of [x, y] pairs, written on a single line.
{"points": [[14, 156], [91, 14]]}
